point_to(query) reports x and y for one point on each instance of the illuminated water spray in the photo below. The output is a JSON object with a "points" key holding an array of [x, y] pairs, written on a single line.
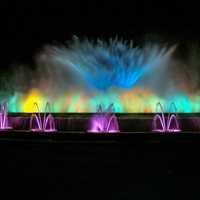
{"points": [[163, 124], [115, 63], [45, 123], [4, 117], [104, 121]]}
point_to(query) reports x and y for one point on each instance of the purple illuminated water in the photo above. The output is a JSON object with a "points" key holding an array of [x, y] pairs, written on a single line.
{"points": [[104, 122], [163, 124], [4, 117], [45, 123]]}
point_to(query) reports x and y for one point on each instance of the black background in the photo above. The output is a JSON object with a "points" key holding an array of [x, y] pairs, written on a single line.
{"points": [[81, 170], [28, 25]]}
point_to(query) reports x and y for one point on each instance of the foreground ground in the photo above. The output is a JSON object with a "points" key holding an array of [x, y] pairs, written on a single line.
{"points": [[131, 167]]}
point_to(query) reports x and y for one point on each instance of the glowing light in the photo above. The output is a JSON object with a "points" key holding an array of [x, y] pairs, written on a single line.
{"points": [[126, 101], [183, 102], [106, 72], [32, 97], [104, 122], [4, 117], [103, 65], [45, 124], [160, 124]]}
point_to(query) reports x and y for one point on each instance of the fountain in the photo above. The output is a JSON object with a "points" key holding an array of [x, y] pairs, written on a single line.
{"points": [[42, 124], [104, 121], [160, 124], [4, 117], [106, 64], [84, 72]]}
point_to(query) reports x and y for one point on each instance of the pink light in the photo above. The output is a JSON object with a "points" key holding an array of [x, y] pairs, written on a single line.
{"points": [[160, 124], [104, 122], [4, 118], [42, 124]]}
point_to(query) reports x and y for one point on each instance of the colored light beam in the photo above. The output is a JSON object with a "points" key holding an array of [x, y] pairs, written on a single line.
{"points": [[114, 64]]}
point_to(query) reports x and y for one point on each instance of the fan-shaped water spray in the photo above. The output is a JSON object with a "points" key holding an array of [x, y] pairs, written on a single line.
{"points": [[103, 65], [45, 123], [84, 73]]}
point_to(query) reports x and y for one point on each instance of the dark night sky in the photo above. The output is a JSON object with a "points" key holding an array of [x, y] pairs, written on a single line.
{"points": [[28, 25]]}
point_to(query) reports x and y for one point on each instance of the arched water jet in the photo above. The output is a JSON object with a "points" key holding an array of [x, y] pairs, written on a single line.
{"points": [[171, 128], [4, 117], [166, 125], [104, 121], [42, 124], [113, 126]]}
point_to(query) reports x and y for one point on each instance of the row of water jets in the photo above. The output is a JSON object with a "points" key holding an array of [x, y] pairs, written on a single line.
{"points": [[104, 121], [38, 122]]}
